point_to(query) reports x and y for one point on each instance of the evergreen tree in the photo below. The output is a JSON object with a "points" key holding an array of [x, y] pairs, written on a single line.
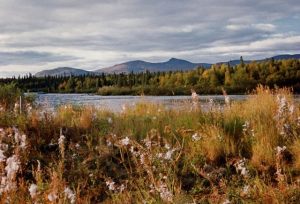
{"points": [[242, 63]]}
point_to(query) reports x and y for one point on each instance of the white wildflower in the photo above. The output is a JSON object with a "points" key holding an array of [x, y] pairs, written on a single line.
{"points": [[2, 156], [111, 185], [148, 143], [134, 152], [246, 189], [3, 148], [283, 106], [6, 185], [279, 150], [142, 159], [16, 108], [195, 99], [108, 142], [125, 141], [240, 167], [291, 109], [246, 126], [51, 143], [39, 165], [282, 102], [61, 140], [33, 190], [3, 186], [70, 195], [124, 108], [244, 171], [122, 188], [28, 107], [168, 155], [167, 146], [159, 155], [252, 133], [194, 95], [227, 100], [164, 192], [286, 129], [16, 135], [109, 120], [23, 141], [279, 175], [77, 145], [52, 197], [196, 137], [12, 166], [152, 189]]}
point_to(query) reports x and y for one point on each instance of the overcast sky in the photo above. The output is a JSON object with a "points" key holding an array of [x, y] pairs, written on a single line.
{"points": [[91, 34]]}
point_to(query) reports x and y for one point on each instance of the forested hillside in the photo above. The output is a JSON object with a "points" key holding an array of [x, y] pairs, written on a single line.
{"points": [[235, 79]]}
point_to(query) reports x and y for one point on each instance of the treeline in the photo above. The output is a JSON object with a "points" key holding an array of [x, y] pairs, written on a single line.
{"points": [[235, 79]]}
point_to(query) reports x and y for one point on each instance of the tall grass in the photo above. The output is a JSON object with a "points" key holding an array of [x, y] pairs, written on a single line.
{"points": [[245, 152]]}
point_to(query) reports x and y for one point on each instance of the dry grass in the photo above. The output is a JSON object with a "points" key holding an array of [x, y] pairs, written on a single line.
{"points": [[296, 153], [246, 153]]}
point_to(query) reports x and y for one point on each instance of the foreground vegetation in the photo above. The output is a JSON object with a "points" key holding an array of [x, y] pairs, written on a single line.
{"points": [[235, 79], [247, 152]]}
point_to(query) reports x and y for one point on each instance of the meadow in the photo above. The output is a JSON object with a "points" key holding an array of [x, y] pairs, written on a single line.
{"points": [[243, 152]]}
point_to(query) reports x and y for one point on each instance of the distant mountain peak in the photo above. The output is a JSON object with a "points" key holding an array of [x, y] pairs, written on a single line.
{"points": [[63, 71], [176, 60], [173, 64]]}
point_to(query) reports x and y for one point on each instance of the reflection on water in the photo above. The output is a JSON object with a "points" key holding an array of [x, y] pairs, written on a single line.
{"points": [[115, 103]]}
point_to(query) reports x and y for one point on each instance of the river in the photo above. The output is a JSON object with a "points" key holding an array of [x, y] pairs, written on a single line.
{"points": [[115, 103]]}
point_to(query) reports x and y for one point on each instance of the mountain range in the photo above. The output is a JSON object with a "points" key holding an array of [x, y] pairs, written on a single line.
{"points": [[62, 71], [139, 66]]}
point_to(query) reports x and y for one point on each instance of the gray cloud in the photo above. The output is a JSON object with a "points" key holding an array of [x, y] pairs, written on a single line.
{"points": [[31, 57], [96, 33]]}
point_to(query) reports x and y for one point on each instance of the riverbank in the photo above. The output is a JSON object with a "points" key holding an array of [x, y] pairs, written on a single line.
{"points": [[166, 91], [246, 152]]}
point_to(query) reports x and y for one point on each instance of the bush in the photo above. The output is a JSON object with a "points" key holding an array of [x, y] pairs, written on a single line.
{"points": [[9, 96]]}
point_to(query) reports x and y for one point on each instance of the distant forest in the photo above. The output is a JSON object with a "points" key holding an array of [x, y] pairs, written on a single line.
{"points": [[234, 79]]}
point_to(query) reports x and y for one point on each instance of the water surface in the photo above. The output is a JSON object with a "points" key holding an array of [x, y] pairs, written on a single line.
{"points": [[115, 103]]}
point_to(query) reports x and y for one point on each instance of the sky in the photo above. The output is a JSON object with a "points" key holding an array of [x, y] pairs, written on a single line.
{"points": [[93, 34]]}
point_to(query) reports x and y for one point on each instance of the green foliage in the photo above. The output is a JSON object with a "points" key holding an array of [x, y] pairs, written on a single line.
{"points": [[9, 95], [237, 79]]}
